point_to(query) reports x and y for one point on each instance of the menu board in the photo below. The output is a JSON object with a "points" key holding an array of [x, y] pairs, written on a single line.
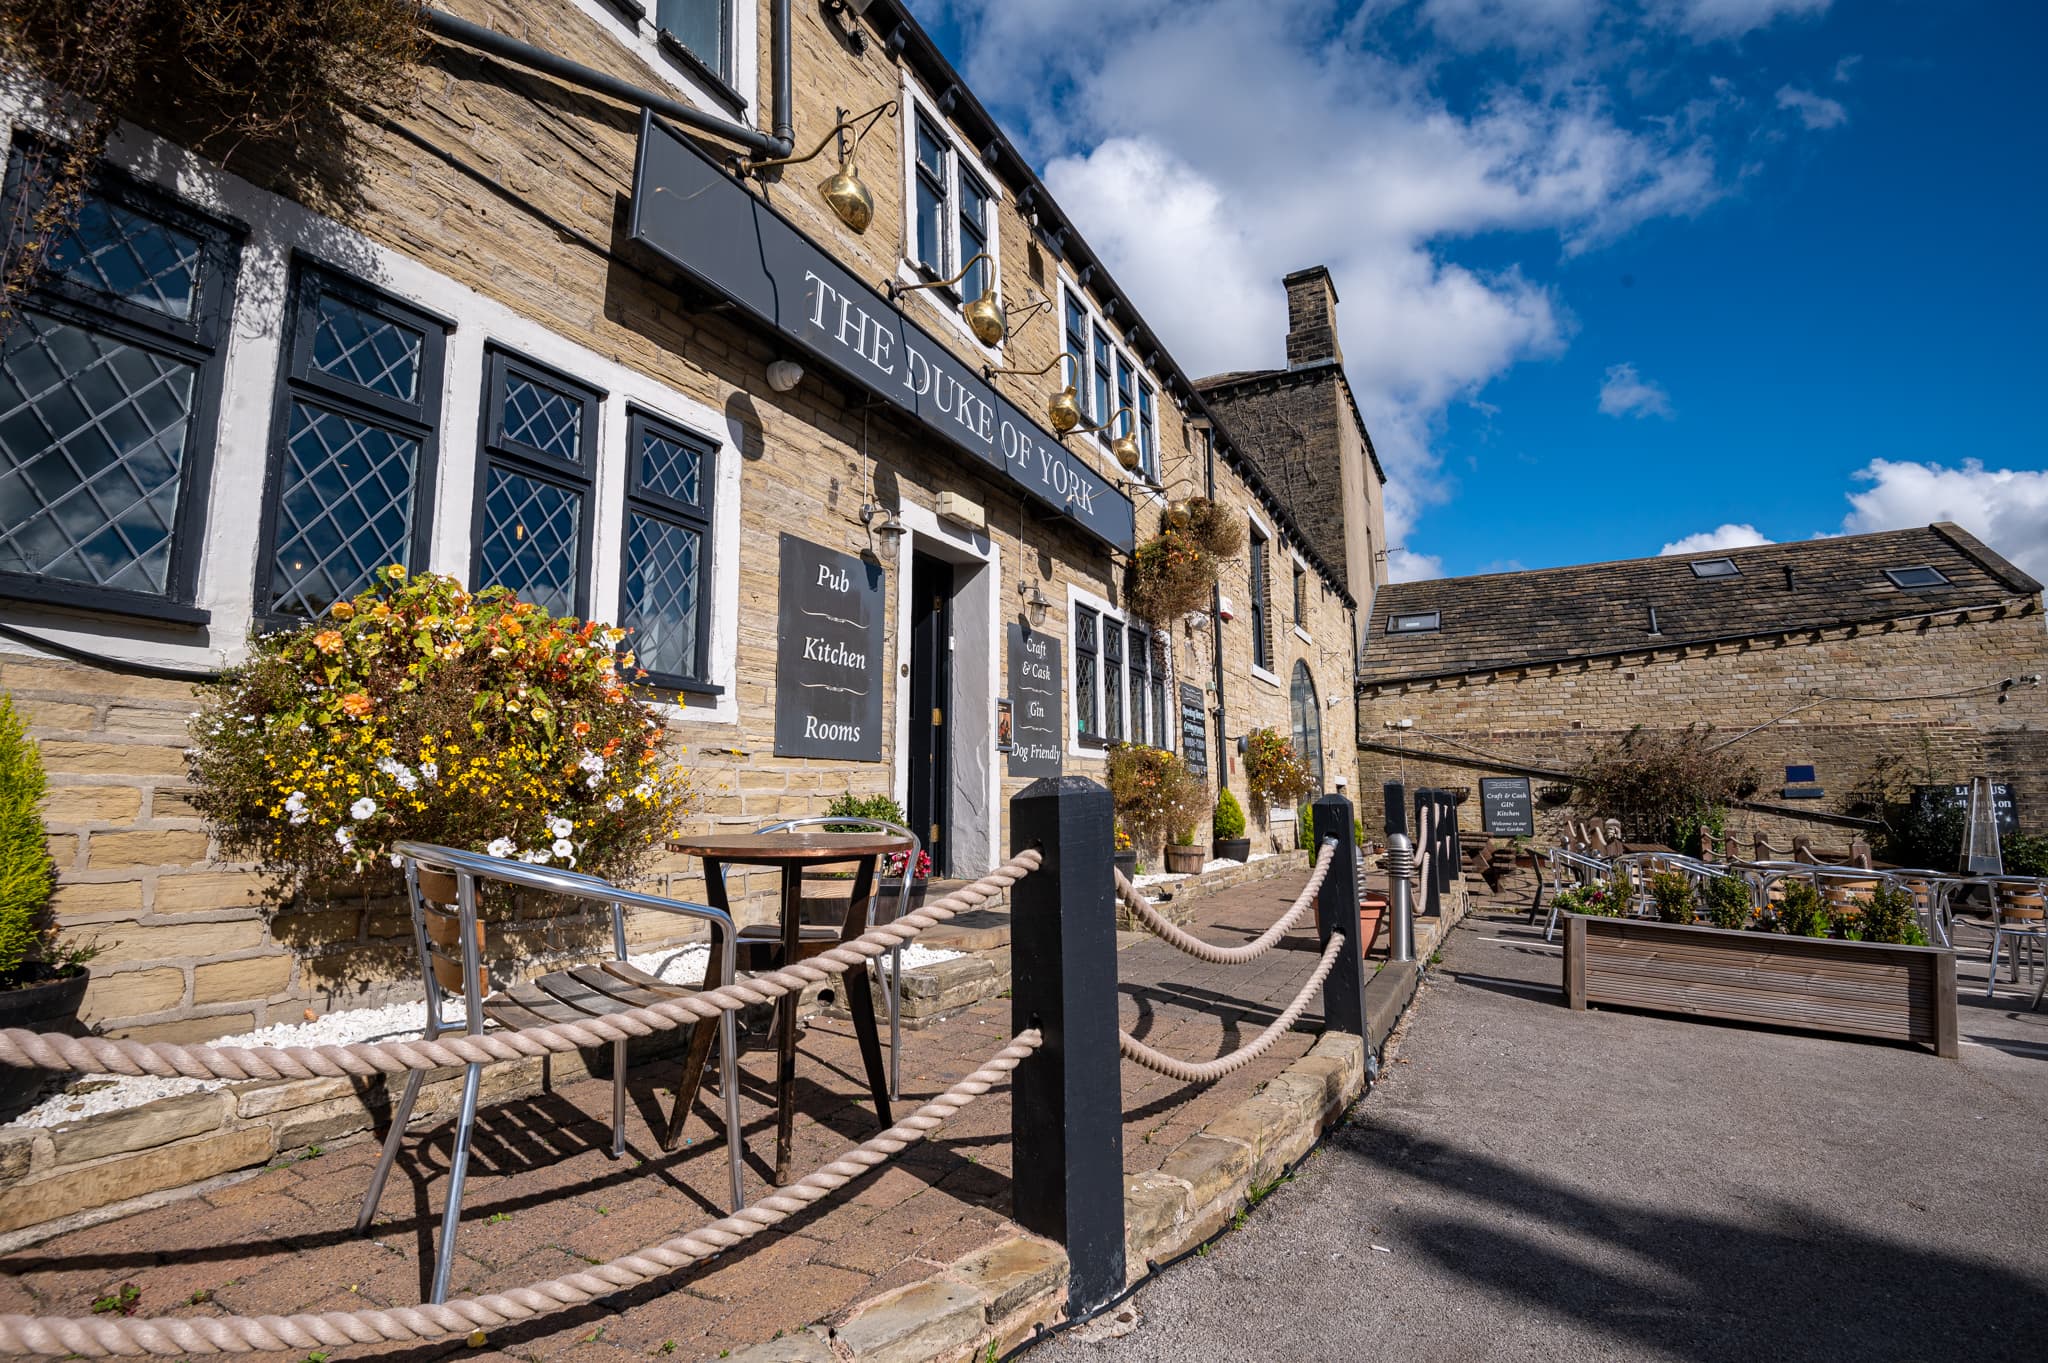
{"points": [[1930, 798], [1505, 808], [1194, 728], [828, 655], [1036, 731]]}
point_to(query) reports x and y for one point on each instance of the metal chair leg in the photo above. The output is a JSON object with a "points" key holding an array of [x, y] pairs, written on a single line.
{"points": [[618, 1098], [729, 1089], [1991, 979], [458, 1172], [400, 1115], [896, 1024]]}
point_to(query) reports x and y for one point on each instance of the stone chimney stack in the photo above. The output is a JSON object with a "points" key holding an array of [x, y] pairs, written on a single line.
{"points": [[1311, 318]]}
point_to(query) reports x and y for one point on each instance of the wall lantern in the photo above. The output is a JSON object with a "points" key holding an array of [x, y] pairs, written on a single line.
{"points": [[843, 189], [884, 524], [1063, 412], [1125, 446], [1036, 603], [985, 317]]}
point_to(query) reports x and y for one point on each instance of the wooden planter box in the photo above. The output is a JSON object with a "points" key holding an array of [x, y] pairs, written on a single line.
{"points": [[1854, 988]]}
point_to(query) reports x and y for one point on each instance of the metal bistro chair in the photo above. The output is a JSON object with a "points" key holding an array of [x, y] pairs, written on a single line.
{"points": [[1568, 869], [2019, 911], [760, 940], [442, 884]]}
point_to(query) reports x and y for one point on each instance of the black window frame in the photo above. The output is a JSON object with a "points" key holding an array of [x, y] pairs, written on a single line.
{"points": [[1300, 597], [1077, 343], [1308, 747], [1138, 680], [1395, 619], [719, 74], [298, 380], [495, 449], [702, 518], [1102, 365], [940, 182], [1148, 430], [1898, 576], [1115, 682], [201, 339], [1088, 663], [983, 277], [1259, 586]]}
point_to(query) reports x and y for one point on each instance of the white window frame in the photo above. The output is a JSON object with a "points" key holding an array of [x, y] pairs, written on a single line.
{"points": [[642, 37], [1123, 360], [960, 158], [1078, 599], [255, 342]]}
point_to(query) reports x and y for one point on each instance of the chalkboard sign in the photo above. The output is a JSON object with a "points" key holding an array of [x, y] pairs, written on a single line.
{"points": [[1036, 731], [828, 655], [1505, 806], [1194, 728], [1927, 799]]}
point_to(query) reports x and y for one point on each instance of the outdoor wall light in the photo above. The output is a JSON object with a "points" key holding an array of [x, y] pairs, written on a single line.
{"points": [[1125, 446], [783, 375], [1036, 603], [1064, 409], [883, 523], [843, 190], [985, 316]]}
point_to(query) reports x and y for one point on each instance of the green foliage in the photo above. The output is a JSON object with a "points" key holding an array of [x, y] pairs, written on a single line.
{"points": [[851, 806], [1305, 827], [1273, 772], [1358, 832], [1801, 912], [1888, 915], [28, 877], [1672, 893], [2026, 854], [1229, 815], [120, 1302], [1601, 899], [1663, 786], [1726, 901], [1686, 828], [1155, 794]]}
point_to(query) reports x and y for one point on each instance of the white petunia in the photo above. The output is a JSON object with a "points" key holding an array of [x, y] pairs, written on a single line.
{"points": [[295, 801], [363, 808], [643, 791], [502, 847], [563, 848], [430, 770], [561, 828], [614, 803], [535, 857], [397, 862], [341, 835], [300, 816], [591, 762]]}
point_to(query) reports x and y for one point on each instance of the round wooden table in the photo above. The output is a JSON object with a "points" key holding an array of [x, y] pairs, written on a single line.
{"points": [[793, 853]]}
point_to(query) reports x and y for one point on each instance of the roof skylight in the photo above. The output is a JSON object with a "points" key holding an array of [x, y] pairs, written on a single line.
{"points": [[1414, 622], [1919, 575], [1715, 567]]}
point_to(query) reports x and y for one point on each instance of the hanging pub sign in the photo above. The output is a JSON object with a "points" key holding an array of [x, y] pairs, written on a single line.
{"points": [[1505, 807], [828, 655], [691, 212], [1194, 729], [1036, 730]]}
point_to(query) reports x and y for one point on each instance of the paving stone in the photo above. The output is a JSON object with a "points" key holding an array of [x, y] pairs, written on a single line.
{"points": [[1013, 1272], [152, 1124], [917, 1324]]}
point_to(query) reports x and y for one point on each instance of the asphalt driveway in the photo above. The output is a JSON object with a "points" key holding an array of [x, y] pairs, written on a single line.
{"points": [[1531, 1183]]}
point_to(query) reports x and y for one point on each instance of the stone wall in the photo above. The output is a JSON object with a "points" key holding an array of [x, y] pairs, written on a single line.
{"points": [[1555, 717], [507, 192]]}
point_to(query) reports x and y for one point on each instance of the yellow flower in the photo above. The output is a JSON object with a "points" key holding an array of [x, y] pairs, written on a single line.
{"points": [[328, 641], [396, 572]]}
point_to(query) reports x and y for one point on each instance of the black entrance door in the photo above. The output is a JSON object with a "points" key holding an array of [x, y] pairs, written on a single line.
{"points": [[931, 691]]}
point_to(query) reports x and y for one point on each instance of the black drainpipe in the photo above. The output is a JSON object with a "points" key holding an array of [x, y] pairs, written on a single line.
{"points": [[1216, 630], [763, 146]]}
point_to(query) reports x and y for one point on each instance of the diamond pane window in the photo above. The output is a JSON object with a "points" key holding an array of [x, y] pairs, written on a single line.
{"points": [[1085, 672], [664, 597], [345, 502], [109, 389], [366, 349], [353, 471], [130, 256], [1141, 666], [92, 440], [532, 538], [1113, 681], [545, 418]]}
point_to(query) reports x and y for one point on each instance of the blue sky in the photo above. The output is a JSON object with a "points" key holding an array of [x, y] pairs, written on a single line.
{"points": [[1614, 276]]}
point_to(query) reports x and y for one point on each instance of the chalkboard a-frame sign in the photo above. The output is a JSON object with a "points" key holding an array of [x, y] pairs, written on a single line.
{"points": [[828, 655], [1504, 806]]}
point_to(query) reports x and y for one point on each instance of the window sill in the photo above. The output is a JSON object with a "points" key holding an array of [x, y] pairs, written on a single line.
{"points": [[735, 102], [1261, 674], [682, 686], [99, 601], [1304, 636], [632, 11]]}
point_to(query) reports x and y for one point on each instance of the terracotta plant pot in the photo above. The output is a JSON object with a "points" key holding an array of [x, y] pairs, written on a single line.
{"points": [[1183, 860], [49, 1005], [1234, 849], [1370, 914]]}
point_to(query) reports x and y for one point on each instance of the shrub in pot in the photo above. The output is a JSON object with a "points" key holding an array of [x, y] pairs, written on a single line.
{"points": [[1726, 901], [1228, 822], [1184, 855], [1888, 915], [1672, 894], [1126, 855], [1801, 912], [42, 981]]}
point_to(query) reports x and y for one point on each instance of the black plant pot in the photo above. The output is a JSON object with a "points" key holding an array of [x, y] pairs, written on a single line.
{"points": [[1234, 849], [45, 1005], [1127, 862]]}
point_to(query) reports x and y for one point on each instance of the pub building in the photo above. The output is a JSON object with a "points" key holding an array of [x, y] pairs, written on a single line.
{"points": [[859, 444]]}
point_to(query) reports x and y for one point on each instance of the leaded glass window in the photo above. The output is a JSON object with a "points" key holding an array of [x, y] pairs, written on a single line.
{"points": [[665, 596], [1261, 601], [353, 467], [1148, 432], [1086, 623], [533, 522], [1141, 667], [109, 391], [1113, 681]]}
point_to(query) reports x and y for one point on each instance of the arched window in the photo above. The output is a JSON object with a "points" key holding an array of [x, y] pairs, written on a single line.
{"points": [[1308, 722]]}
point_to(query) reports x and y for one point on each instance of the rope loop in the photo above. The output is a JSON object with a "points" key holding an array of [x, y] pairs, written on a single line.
{"points": [[1209, 1071], [1194, 946]]}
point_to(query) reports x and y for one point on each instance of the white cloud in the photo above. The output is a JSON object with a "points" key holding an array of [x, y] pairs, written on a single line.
{"points": [[1404, 566], [1624, 392], [1815, 111], [1720, 537], [2006, 508], [1207, 147], [1845, 69]]}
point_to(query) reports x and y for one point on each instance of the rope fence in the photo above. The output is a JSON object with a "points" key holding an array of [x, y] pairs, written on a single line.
{"points": [[102, 1055], [100, 1336], [1209, 1071], [1166, 930]]}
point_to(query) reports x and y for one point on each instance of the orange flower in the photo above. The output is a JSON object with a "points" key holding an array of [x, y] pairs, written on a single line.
{"points": [[357, 704], [328, 641], [580, 728], [343, 610], [514, 628]]}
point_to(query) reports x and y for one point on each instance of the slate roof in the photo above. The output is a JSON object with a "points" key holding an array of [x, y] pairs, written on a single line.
{"points": [[1552, 614]]}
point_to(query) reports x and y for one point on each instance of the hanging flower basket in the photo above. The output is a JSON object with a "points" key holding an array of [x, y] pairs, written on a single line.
{"points": [[1170, 576]]}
